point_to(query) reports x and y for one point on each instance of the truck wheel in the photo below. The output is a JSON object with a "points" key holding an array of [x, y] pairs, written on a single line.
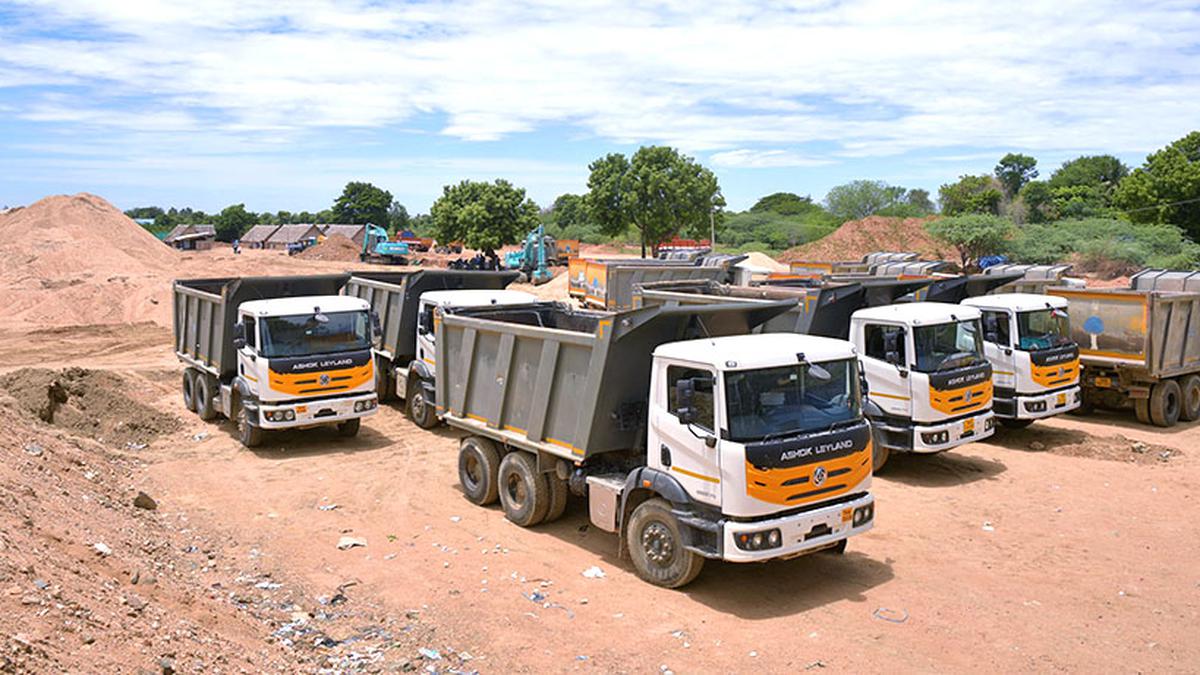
{"points": [[349, 428], [1189, 411], [479, 470], [202, 396], [879, 452], [1014, 423], [524, 493], [189, 389], [1141, 408], [383, 380], [558, 498], [1165, 402], [420, 410], [656, 546], [250, 435]]}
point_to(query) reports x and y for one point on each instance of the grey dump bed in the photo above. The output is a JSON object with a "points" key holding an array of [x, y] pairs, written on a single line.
{"points": [[205, 311], [395, 297], [568, 382], [1150, 334]]}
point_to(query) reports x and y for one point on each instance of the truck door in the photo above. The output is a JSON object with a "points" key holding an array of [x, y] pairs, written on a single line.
{"points": [[885, 363], [680, 448], [247, 355], [426, 349], [998, 348]]}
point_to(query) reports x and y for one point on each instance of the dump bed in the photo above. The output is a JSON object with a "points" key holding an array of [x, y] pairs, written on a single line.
{"points": [[1153, 333], [395, 296], [608, 283], [205, 311], [568, 382], [822, 310]]}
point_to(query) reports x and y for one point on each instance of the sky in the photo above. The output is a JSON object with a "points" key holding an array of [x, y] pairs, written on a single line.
{"points": [[278, 104]]}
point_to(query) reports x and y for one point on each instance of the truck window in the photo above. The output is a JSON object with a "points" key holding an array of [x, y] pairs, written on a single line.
{"points": [[251, 333], [425, 321], [703, 401], [878, 337], [999, 322], [308, 334]]}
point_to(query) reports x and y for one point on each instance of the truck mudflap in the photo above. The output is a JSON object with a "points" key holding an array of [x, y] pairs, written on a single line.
{"points": [[798, 533], [1010, 405], [306, 413]]}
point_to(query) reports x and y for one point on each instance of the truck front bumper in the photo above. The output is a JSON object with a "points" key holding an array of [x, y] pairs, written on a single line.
{"points": [[316, 412], [799, 533], [947, 435], [1039, 406]]}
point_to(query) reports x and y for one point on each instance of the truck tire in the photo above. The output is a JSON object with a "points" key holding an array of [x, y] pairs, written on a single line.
{"points": [[250, 435], [479, 470], [384, 381], [524, 493], [1141, 408], [1189, 386], [1165, 403], [879, 452], [655, 543], [349, 428], [420, 410], [189, 389], [1012, 423], [203, 394], [559, 491]]}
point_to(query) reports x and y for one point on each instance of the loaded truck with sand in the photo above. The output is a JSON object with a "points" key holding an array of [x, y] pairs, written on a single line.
{"points": [[406, 353], [275, 352], [690, 438]]}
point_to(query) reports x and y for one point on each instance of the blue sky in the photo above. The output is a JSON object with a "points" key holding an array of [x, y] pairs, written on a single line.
{"points": [[278, 105]]}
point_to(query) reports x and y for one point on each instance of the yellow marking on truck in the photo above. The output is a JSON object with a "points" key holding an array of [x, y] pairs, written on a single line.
{"points": [[794, 485], [1113, 355], [430, 362], [509, 427], [693, 474], [309, 383], [956, 401], [564, 444], [1055, 375], [477, 418], [600, 328], [1103, 382], [898, 398], [250, 377], [1092, 295], [1002, 372]]}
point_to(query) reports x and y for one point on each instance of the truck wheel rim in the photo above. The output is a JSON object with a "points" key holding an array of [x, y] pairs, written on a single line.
{"points": [[516, 491], [472, 473], [658, 544], [418, 406]]}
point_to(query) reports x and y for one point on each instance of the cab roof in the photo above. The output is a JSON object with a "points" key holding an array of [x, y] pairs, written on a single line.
{"points": [[477, 298], [766, 350], [1017, 302], [918, 313], [303, 305]]}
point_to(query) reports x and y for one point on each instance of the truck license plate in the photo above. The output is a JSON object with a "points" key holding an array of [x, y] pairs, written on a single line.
{"points": [[969, 426], [1104, 382], [1062, 399]]}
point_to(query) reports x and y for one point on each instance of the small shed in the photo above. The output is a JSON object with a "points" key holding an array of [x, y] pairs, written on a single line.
{"points": [[355, 233], [257, 236], [290, 234], [191, 237]]}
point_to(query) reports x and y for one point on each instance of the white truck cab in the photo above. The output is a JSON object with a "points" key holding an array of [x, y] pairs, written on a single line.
{"points": [[768, 431], [1027, 339], [929, 383]]}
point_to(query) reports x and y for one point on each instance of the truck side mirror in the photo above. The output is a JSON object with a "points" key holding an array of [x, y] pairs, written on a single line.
{"points": [[239, 335], [991, 329], [685, 394], [376, 326]]}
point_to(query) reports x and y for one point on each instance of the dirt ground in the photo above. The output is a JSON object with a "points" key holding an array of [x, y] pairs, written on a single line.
{"points": [[1066, 546]]}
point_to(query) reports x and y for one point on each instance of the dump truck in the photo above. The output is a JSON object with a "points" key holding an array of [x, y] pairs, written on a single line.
{"points": [[1035, 362], [406, 353], [275, 352], [690, 439], [608, 283], [813, 268], [1138, 346]]}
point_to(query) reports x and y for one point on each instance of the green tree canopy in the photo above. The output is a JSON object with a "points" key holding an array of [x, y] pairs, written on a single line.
{"points": [[233, 221], [483, 215], [971, 194], [785, 204], [861, 198], [1090, 170], [362, 203], [973, 236], [1014, 171], [659, 191], [398, 217], [1166, 188]]}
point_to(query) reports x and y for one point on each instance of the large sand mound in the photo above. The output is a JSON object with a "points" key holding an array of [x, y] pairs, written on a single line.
{"points": [[856, 238], [335, 247], [78, 259]]}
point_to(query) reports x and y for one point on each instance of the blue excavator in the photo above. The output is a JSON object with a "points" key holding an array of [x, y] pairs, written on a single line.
{"points": [[377, 248], [531, 258]]}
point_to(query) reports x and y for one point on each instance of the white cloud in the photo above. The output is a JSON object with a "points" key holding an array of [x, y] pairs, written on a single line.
{"points": [[763, 159]]}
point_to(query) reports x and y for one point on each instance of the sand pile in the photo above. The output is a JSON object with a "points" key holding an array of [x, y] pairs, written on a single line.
{"points": [[79, 260], [764, 261], [335, 247], [856, 238]]}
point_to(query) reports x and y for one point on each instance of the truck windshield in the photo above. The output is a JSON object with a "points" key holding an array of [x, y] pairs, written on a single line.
{"points": [[1043, 329], [306, 334], [946, 346], [791, 399]]}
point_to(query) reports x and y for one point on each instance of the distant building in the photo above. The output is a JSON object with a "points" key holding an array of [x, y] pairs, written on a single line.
{"points": [[257, 236], [191, 237], [355, 233], [291, 234]]}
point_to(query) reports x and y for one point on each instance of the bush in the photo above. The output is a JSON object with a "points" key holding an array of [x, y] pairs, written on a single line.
{"points": [[772, 231], [973, 236], [1092, 241]]}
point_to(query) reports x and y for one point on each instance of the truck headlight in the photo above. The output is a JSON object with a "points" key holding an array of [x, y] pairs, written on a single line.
{"points": [[989, 423], [363, 406], [935, 437], [863, 515], [1035, 406], [289, 415], [759, 541]]}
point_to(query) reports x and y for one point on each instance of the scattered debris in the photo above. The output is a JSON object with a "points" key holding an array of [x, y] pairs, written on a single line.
{"points": [[455, 519], [34, 449], [431, 654], [891, 615], [1037, 446], [327, 507], [988, 527], [347, 542], [594, 572], [102, 548], [145, 501], [1139, 447]]}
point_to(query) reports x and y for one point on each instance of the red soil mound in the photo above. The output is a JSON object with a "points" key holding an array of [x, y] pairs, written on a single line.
{"points": [[856, 238]]}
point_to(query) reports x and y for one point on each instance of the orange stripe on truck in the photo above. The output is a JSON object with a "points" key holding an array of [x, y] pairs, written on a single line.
{"points": [[842, 475], [310, 383]]}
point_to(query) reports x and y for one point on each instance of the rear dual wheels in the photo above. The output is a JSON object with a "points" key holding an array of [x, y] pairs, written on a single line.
{"points": [[1165, 403], [1189, 410], [656, 545], [199, 391], [527, 496]]}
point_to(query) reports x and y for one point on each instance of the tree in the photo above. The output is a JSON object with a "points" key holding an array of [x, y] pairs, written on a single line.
{"points": [[362, 203], [569, 211], [919, 200], [784, 203], [1166, 188], [659, 191], [973, 236], [1038, 198], [483, 215], [1014, 171], [971, 194], [1094, 171], [233, 221], [398, 217], [861, 198]]}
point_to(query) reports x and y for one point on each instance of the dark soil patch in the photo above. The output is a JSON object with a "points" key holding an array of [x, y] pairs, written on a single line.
{"points": [[1076, 443]]}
